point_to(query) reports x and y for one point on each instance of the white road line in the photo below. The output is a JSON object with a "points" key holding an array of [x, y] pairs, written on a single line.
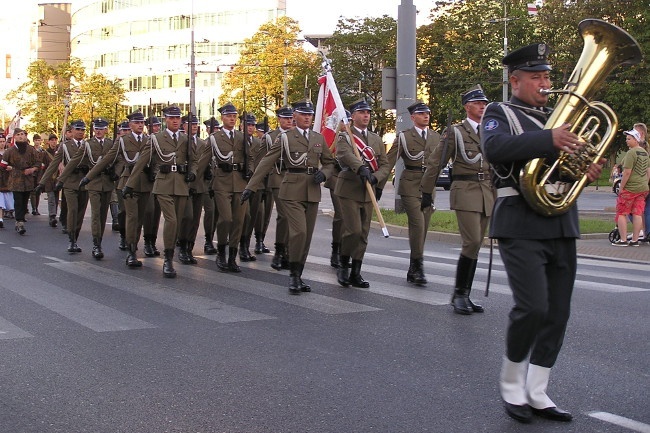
{"points": [[312, 301], [24, 250], [198, 305], [55, 259], [83, 311], [621, 421], [10, 331]]}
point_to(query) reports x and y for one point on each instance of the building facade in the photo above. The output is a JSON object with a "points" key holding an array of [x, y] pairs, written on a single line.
{"points": [[153, 45]]}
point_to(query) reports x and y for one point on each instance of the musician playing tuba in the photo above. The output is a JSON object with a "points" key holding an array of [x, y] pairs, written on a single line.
{"points": [[538, 251]]}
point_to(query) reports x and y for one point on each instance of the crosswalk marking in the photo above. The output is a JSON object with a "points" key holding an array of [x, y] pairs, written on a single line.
{"points": [[621, 421], [83, 311], [313, 301], [198, 305], [9, 331], [24, 250]]}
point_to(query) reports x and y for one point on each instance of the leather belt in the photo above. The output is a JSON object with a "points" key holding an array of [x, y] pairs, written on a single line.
{"points": [[420, 168], [471, 177], [306, 170], [173, 168], [231, 167]]}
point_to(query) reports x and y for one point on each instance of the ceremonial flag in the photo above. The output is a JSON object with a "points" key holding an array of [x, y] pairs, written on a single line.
{"points": [[15, 123], [329, 110], [532, 9]]}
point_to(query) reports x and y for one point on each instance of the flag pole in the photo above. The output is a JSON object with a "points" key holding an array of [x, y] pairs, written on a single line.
{"points": [[327, 67]]}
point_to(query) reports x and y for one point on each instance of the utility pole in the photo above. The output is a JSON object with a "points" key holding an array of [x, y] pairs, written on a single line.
{"points": [[405, 82]]}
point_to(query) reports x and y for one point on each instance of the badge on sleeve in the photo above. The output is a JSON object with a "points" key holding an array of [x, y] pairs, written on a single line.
{"points": [[491, 125]]}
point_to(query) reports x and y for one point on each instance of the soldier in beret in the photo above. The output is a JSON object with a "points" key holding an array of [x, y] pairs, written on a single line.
{"points": [[414, 147], [472, 195], [538, 251], [309, 162]]}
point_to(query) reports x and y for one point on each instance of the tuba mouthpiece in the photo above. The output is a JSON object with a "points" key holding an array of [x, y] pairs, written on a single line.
{"points": [[545, 91]]}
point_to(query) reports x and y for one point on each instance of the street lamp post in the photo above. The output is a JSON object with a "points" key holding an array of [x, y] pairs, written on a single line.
{"points": [[504, 20], [284, 75]]}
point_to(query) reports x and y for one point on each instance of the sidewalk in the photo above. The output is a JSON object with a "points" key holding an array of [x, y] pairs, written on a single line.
{"points": [[589, 246]]}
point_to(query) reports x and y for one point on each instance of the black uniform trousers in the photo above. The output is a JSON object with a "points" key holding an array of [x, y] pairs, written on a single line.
{"points": [[541, 273]]}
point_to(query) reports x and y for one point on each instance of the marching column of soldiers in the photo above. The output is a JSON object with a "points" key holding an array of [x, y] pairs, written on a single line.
{"points": [[232, 179]]}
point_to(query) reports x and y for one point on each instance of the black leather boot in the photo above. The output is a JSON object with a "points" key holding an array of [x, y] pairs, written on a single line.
{"points": [[168, 264], [284, 260], [260, 248], [343, 271], [72, 248], [209, 248], [303, 287], [276, 263], [148, 249], [131, 259], [115, 226], [53, 222], [156, 253], [97, 249], [460, 298], [294, 278], [415, 274], [244, 252], [182, 252], [335, 256], [232, 260], [190, 253], [222, 263], [470, 279], [355, 276], [123, 245]]}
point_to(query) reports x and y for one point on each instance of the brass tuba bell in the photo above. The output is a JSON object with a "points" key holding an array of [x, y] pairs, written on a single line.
{"points": [[551, 188]]}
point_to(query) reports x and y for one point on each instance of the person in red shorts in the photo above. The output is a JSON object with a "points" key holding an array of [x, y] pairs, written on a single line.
{"points": [[634, 189]]}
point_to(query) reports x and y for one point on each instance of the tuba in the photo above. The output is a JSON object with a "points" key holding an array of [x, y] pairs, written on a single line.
{"points": [[606, 46]]}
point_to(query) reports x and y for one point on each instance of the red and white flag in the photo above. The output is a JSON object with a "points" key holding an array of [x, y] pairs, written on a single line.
{"points": [[15, 123], [532, 9], [329, 110]]}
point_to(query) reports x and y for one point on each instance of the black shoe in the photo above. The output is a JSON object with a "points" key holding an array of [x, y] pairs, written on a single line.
{"points": [[123, 245], [53, 221], [73, 248], [475, 307], [97, 252], [64, 230], [553, 413], [209, 248], [35, 212], [2, 225], [522, 413]]}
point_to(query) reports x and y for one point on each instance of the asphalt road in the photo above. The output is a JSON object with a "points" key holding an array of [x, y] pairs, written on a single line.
{"points": [[91, 346]]}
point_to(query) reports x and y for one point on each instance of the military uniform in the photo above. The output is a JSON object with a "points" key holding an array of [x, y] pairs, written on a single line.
{"points": [[472, 195], [414, 149], [231, 174], [76, 197], [263, 219], [100, 188], [52, 196], [198, 189], [274, 182], [538, 252], [209, 205], [355, 200], [166, 153], [255, 210], [308, 162]]}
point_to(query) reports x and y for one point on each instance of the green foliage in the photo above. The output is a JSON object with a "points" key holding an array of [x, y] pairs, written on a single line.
{"points": [[359, 50], [43, 96], [256, 82], [445, 221]]}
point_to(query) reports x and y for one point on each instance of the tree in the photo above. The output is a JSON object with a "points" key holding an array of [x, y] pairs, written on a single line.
{"points": [[42, 97], [359, 50], [256, 82]]}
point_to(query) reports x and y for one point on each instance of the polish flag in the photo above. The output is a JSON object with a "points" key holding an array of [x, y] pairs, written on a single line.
{"points": [[9, 130], [329, 110], [532, 9]]}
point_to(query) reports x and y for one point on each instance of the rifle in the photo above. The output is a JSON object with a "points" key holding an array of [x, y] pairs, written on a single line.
{"points": [[92, 114], [66, 111], [246, 146], [445, 145], [211, 118], [115, 125]]}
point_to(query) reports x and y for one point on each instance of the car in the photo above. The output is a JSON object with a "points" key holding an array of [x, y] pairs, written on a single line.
{"points": [[444, 180]]}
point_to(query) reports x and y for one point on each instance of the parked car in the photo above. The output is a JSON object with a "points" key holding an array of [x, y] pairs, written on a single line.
{"points": [[444, 180]]}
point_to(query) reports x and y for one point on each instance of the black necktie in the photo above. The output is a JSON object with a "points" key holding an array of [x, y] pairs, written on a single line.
{"points": [[424, 135], [101, 143], [232, 136], [363, 134], [304, 133], [139, 140], [175, 139]]}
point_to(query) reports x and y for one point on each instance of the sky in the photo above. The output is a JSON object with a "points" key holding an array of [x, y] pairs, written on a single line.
{"points": [[321, 17]]}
